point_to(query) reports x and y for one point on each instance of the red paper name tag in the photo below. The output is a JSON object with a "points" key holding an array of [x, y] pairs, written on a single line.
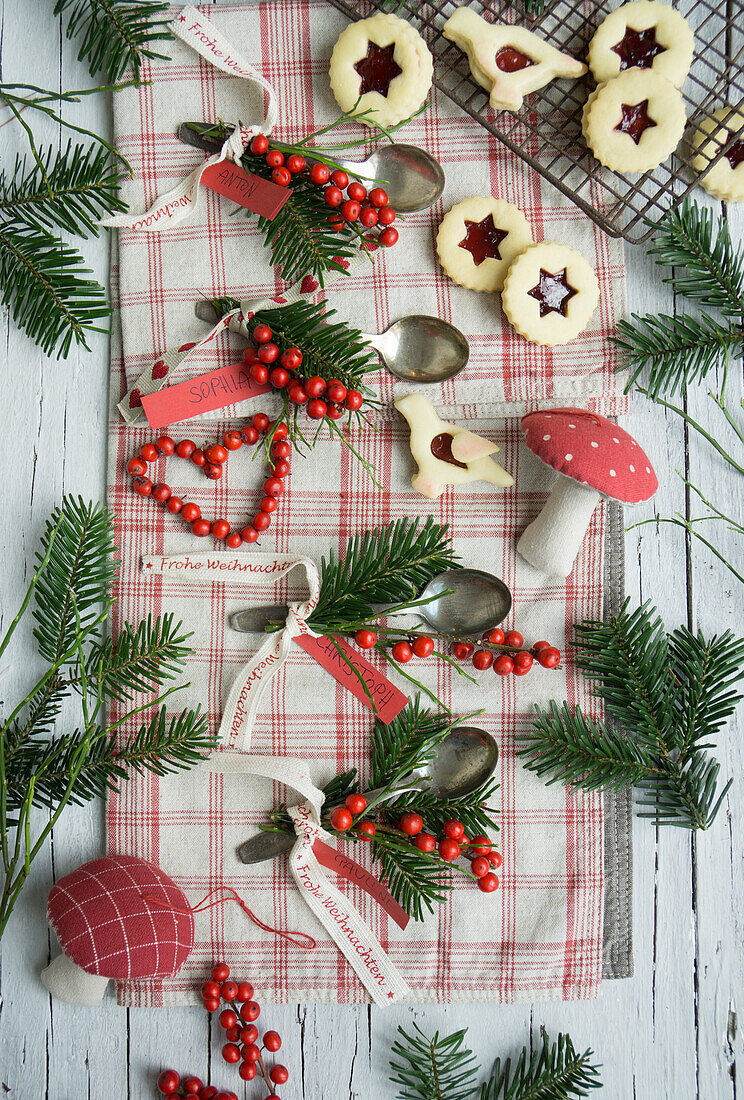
{"points": [[388, 700], [352, 872], [258, 195], [205, 392]]}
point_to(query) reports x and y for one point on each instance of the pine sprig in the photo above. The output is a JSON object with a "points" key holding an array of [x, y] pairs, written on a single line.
{"points": [[71, 190], [114, 33], [708, 270], [437, 1068], [44, 284], [554, 1072], [670, 695], [384, 565], [44, 766], [418, 882]]}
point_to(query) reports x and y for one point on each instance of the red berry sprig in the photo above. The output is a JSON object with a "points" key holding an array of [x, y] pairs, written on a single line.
{"points": [[171, 1083], [357, 207], [244, 1046], [321, 397], [211, 458], [502, 652]]}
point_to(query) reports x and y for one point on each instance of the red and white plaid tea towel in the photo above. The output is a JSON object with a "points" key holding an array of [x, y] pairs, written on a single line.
{"points": [[540, 935]]}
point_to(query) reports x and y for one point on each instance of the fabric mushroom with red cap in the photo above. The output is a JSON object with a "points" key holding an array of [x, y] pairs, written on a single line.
{"points": [[115, 917], [594, 458]]}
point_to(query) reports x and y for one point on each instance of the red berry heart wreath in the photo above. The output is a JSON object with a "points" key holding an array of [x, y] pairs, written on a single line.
{"points": [[211, 459]]}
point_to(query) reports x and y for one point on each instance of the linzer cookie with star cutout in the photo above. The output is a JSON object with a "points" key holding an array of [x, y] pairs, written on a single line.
{"points": [[550, 293], [724, 129], [508, 61], [635, 121], [644, 34], [479, 238], [382, 66]]}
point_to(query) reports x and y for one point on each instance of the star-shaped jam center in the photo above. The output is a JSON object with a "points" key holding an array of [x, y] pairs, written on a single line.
{"points": [[482, 240], [635, 120], [553, 292], [735, 154], [638, 49], [510, 60], [377, 69]]}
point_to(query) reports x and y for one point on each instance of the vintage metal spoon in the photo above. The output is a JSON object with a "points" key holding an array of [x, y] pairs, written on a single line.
{"points": [[475, 601], [463, 761], [413, 178], [421, 349]]}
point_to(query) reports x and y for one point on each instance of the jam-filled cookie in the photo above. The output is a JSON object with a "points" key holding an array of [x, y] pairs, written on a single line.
{"points": [[634, 122], [550, 293], [644, 34], [725, 180], [479, 238], [385, 64], [508, 61]]}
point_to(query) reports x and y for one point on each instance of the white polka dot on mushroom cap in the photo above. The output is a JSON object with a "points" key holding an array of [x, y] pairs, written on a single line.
{"points": [[546, 438], [572, 425], [632, 468], [615, 439], [612, 473], [594, 444], [568, 458]]}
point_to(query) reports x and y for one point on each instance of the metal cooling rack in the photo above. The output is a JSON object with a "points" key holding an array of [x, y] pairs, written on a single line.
{"points": [[546, 132]]}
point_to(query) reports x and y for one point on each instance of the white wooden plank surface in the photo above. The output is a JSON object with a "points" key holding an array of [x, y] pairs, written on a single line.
{"points": [[670, 1031]]}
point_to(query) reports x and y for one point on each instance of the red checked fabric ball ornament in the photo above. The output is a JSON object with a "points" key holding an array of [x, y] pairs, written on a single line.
{"points": [[109, 924]]}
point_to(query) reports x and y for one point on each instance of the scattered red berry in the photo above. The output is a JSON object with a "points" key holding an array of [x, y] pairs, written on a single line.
{"points": [[233, 440], [494, 858], [272, 1041], [368, 217], [365, 639], [462, 650], [210, 989], [282, 177], [279, 378], [185, 448], [480, 866], [231, 1053], [296, 163], [495, 636], [191, 1086], [388, 237], [262, 334], [251, 1053], [279, 1074], [488, 883], [522, 661], [259, 373], [174, 505], [386, 216], [281, 449], [350, 210], [319, 174], [259, 144], [514, 638], [366, 830], [402, 652], [261, 521], [340, 178], [481, 845], [247, 1071], [455, 830], [161, 492], [136, 466], [189, 513], [168, 1081], [229, 990], [198, 457], [341, 819], [148, 452], [354, 400], [425, 842], [315, 386], [482, 660], [200, 528], [143, 486], [213, 470], [549, 657], [503, 665], [268, 353], [316, 409], [228, 1018], [291, 359], [275, 158], [356, 804], [423, 646], [449, 849], [333, 196], [411, 824], [336, 391]]}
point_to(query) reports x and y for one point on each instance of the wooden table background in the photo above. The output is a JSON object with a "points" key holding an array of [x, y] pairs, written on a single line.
{"points": [[670, 1031]]}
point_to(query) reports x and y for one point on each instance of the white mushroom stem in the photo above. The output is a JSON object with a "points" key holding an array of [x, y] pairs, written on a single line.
{"points": [[70, 983], [552, 541]]}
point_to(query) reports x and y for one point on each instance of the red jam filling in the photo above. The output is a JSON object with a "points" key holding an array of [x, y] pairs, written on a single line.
{"points": [[377, 69], [735, 155], [553, 292], [441, 448], [511, 60], [482, 240], [635, 120], [637, 49]]}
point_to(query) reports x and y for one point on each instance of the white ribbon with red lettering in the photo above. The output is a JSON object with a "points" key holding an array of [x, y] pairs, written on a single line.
{"points": [[344, 923], [180, 204]]}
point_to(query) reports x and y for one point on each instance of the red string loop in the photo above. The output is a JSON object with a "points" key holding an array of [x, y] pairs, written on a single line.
{"points": [[299, 939]]}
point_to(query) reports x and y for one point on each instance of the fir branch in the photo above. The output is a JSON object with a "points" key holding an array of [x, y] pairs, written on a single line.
{"points": [[140, 659], [709, 268], [675, 351], [43, 284], [406, 743], [71, 190], [472, 809], [115, 33], [670, 693], [440, 1068], [418, 882], [386, 564], [77, 579], [555, 1072]]}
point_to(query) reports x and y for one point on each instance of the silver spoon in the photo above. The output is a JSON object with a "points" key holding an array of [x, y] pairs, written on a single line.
{"points": [[413, 178], [475, 602], [464, 760], [421, 349]]}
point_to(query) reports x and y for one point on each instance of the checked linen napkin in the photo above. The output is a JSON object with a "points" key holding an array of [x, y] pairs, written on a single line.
{"points": [[543, 934]]}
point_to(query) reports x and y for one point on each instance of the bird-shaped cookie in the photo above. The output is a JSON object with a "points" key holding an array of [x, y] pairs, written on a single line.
{"points": [[445, 453], [508, 61]]}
